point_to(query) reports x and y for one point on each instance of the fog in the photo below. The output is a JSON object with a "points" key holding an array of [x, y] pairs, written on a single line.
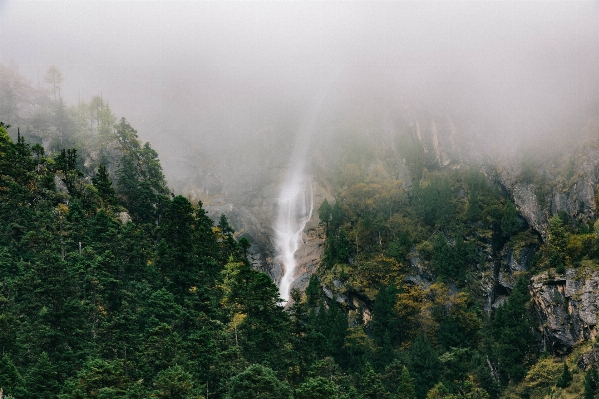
{"points": [[209, 75]]}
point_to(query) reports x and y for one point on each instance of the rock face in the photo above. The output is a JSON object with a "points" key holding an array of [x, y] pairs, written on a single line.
{"points": [[569, 186], [567, 307], [249, 198], [526, 199]]}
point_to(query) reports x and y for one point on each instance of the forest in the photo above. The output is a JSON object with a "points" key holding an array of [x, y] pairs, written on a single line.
{"points": [[112, 286]]}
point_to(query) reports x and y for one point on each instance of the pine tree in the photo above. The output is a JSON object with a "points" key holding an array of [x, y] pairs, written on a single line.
{"points": [[312, 290], [405, 388], [42, 379], [324, 213], [318, 387], [175, 250], [258, 382], [509, 221], [556, 244], [424, 365], [591, 383], [103, 184], [512, 331], [384, 321], [371, 385], [565, 379], [174, 383], [10, 379], [442, 257]]}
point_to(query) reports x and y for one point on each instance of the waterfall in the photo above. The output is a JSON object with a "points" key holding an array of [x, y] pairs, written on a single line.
{"points": [[295, 204], [296, 199], [295, 209]]}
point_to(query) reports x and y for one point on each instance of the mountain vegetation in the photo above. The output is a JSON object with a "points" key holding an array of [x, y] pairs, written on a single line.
{"points": [[113, 287]]}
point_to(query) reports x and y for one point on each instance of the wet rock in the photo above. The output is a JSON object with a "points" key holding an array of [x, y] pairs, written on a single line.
{"points": [[341, 298], [567, 308], [528, 204]]}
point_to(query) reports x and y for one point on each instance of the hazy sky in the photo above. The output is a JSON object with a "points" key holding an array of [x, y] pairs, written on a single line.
{"points": [[211, 71]]}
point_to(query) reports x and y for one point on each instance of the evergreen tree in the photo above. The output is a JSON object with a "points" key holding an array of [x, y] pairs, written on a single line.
{"points": [[42, 379], [384, 321], [565, 379], [175, 250], [405, 388], [318, 387], [324, 213], [258, 382], [174, 383], [97, 378], [10, 379], [509, 221], [556, 244], [313, 290], [103, 184], [591, 383], [371, 385], [442, 257], [424, 365], [512, 332]]}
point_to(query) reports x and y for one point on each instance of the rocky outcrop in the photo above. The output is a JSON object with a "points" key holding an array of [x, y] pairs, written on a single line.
{"points": [[567, 185], [567, 307], [525, 197], [499, 274]]}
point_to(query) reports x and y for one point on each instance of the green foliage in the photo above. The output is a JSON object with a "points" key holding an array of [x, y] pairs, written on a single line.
{"points": [[424, 365], [385, 323], [313, 290], [318, 387], [140, 184], [565, 379], [170, 306], [98, 378], [103, 184], [324, 212], [556, 244], [10, 378], [42, 378], [591, 383], [433, 202], [405, 388], [511, 331], [174, 383], [258, 382], [509, 221], [371, 385]]}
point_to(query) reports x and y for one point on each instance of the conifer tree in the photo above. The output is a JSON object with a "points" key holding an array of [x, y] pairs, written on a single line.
{"points": [[405, 388], [258, 382], [509, 221], [565, 379], [556, 244], [384, 322], [591, 383], [10, 379], [103, 184], [324, 213], [512, 331], [371, 385], [318, 387], [42, 379], [312, 290], [424, 365]]}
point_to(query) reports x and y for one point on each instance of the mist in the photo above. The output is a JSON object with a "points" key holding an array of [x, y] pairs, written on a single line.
{"points": [[209, 76]]}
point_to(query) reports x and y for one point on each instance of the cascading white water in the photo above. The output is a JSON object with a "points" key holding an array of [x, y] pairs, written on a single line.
{"points": [[296, 200], [295, 209]]}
